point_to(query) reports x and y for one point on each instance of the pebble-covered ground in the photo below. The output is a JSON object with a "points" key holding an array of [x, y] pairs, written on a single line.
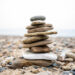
{"points": [[11, 48]]}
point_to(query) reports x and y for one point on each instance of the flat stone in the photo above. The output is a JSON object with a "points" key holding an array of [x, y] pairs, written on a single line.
{"points": [[41, 29], [45, 25], [39, 43], [40, 33], [34, 39], [40, 49], [39, 56], [37, 18], [19, 63], [36, 23]]}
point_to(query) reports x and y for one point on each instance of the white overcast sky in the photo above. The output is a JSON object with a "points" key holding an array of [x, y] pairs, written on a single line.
{"points": [[15, 14]]}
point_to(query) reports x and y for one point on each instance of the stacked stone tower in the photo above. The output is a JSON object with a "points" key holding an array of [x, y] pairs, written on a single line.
{"points": [[37, 38]]}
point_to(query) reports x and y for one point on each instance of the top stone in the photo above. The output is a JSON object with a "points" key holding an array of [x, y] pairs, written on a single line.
{"points": [[37, 18]]}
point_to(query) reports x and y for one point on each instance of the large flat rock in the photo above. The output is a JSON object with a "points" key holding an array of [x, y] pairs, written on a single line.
{"points": [[34, 39], [39, 43], [40, 49], [40, 33], [41, 29], [39, 56]]}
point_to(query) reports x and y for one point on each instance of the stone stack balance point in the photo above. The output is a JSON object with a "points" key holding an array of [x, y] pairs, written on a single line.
{"points": [[37, 41]]}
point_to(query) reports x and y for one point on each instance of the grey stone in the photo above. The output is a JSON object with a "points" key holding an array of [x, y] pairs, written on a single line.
{"points": [[37, 18], [2, 69]]}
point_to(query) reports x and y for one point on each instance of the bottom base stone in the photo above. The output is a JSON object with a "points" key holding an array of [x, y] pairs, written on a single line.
{"points": [[19, 63]]}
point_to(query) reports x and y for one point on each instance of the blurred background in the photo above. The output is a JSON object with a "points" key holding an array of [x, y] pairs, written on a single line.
{"points": [[15, 15]]}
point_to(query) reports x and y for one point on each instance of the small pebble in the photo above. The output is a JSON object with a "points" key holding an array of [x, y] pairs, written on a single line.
{"points": [[54, 64], [35, 71], [24, 67], [23, 72], [20, 47], [66, 73], [49, 67], [36, 67], [10, 63], [44, 68], [2, 69]]}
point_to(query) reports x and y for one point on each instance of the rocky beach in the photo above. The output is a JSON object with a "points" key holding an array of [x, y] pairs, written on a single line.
{"points": [[37, 37], [11, 49]]}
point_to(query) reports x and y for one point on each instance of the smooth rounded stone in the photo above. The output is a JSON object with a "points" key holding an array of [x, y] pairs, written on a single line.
{"points": [[70, 55], [40, 49], [66, 68], [19, 63], [40, 43], [45, 25], [34, 39], [37, 18], [40, 56], [41, 29], [36, 23], [40, 33]]}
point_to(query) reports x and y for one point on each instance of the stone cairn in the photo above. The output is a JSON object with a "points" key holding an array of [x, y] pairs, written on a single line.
{"points": [[39, 53], [37, 41]]}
